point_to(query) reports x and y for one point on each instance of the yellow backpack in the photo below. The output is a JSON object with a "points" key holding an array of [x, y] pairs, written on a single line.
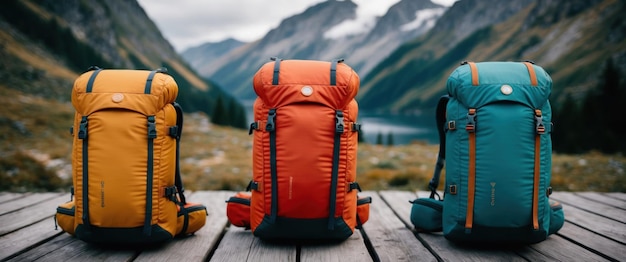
{"points": [[126, 180]]}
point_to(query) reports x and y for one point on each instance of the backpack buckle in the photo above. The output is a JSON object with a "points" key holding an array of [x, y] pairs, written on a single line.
{"points": [[339, 125], [471, 121], [271, 115], [539, 126]]}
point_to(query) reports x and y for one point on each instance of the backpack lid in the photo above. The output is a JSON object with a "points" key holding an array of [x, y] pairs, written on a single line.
{"points": [[278, 83], [143, 91], [491, 82]]}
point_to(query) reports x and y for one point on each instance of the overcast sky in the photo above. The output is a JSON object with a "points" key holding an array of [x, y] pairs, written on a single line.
{"points": [[188, 23]]}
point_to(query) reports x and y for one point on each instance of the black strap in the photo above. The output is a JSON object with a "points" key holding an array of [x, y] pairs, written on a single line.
{"points": [[339, 129], [148, 87], [92, 79], [333, 71], [179, 132], [152, 134], [185, 213], [82, 134], [271, 128], [276, 70], [441, 157]]}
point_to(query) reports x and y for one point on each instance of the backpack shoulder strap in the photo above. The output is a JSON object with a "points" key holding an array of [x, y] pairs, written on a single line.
{"points": [[441, 122], [179, 131]]}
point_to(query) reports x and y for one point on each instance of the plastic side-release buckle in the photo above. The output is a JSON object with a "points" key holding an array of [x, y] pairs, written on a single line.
{"points": [[471, 121], [82, 130], [339, 125], [271, 115], [540, 127], [152, 133]]}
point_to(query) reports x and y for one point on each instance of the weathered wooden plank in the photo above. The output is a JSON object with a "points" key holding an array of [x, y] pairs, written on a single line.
{"points": [[598, 208], [593, 222], [239, 244], [198, 246], [68, 248], [28, 200], [27, 237], [352, 249], [444, 249], [593, 241], [617, 195], [46, 207], [557, 248], [9, 196], [603, 198], [391, 239]]}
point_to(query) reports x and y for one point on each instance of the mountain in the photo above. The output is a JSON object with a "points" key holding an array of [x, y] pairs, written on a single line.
{"points": [[110, 34], [328, 30], [200, 57], [571, 39], [45, 45]]}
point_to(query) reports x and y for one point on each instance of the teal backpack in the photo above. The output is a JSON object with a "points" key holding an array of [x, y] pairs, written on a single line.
{"points": [[494, 127]]}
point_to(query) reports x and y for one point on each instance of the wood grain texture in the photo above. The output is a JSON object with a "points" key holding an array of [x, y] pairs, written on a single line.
{"points": [[239, 244], [390, 237], [197, 246], [42, 208], [594, 230]]}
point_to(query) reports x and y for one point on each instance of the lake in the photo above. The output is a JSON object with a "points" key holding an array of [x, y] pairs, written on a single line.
{"points": [[403, 128]]}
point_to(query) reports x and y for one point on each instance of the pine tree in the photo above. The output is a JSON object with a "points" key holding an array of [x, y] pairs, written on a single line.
{"points": [[219, 116], [390, 139]]}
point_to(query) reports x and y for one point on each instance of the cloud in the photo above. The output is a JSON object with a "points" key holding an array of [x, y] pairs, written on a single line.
{"points": [[424, 17], [366, 14], [186, 23]]}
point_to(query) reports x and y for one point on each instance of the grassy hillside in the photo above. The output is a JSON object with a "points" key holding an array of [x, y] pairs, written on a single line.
{"points": [[216, 157]]}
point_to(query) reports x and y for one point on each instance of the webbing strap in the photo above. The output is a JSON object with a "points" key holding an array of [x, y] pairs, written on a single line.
{"points": [[440, 119], [276, 70], [92, 79], [178, 179], [82, 134], [537, 171], [474, 70], [333, 71], [531, 72], [339, 129], [148, 87], [471, 180], [271, 128], [152, 133]]}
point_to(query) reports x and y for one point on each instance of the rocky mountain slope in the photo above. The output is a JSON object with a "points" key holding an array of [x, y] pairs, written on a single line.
{"points": [[44, 46], [571, 39], [328, 30]]}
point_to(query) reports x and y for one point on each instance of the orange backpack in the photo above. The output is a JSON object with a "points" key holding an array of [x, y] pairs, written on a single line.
{"points": [[126, 180], [304, 154]]}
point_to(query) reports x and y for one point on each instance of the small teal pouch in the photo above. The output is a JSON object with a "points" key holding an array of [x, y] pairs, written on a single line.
{"points": [[426, 214]]}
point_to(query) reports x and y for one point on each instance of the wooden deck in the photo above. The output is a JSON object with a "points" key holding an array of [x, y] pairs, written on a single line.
{"points": [[595, 230]]}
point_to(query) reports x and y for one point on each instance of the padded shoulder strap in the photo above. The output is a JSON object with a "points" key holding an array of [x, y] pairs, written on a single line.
{"points": [[178, 179], [441, 122]]}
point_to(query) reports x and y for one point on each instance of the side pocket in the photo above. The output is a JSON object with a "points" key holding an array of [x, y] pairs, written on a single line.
{"points": [[238, 209], [557, 217], [426, 214], [363, 209], [65, 217], [191, 218]]}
